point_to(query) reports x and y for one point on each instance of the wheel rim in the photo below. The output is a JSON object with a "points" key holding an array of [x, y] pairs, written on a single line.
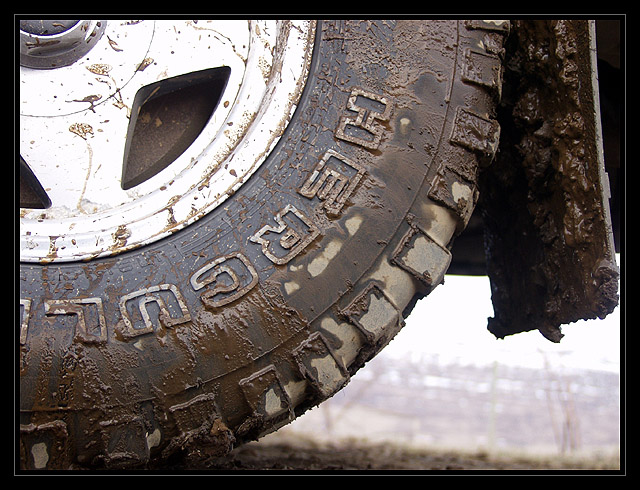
{"points": [[80, 120]]}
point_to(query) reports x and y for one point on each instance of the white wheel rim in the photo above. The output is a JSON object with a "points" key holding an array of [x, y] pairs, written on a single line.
{"points": [[74, 120]]}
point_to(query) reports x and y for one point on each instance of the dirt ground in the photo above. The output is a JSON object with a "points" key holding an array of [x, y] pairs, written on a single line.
{"points": [[302, 455]]}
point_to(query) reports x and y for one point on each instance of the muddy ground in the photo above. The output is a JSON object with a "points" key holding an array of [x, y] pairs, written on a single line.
{"points": [[298, 454]]}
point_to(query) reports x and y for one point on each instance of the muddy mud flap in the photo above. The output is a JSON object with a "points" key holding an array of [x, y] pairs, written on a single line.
{"points": [[545, 198]]}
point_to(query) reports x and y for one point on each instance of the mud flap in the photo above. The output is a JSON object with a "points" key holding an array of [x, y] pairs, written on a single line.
{"points": [[545, 198]]}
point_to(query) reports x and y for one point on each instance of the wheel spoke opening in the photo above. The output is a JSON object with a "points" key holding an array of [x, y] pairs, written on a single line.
{"points": [[32, 194], [166, 118]]}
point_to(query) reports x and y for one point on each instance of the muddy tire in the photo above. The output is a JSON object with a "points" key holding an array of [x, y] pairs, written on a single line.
{"points": [[237, 323]]}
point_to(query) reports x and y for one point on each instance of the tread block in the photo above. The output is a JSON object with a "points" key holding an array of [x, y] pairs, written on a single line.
{"points": [[125, 442], [190, 414], [44, 445], [318, 365], [265, 394], [501, 26], [475, 132], [423, 257], [455, 193], [372, 312], [482, 69]]}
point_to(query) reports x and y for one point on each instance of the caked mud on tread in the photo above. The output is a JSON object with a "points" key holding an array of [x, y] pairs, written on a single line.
{"points": [[265, 307]]}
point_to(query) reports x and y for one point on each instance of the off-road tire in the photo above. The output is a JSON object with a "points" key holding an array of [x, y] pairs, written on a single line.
{"points": [[266, 306]]}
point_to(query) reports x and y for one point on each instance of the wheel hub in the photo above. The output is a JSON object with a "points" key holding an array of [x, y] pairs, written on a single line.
{"points": [[49, 44]]}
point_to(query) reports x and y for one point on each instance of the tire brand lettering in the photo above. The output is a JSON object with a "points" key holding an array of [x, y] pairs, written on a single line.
{"points": [[229, 277], [226, 279], [364, 128], [90, 332], [333, 180], [137, 320], [290, 236]]}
